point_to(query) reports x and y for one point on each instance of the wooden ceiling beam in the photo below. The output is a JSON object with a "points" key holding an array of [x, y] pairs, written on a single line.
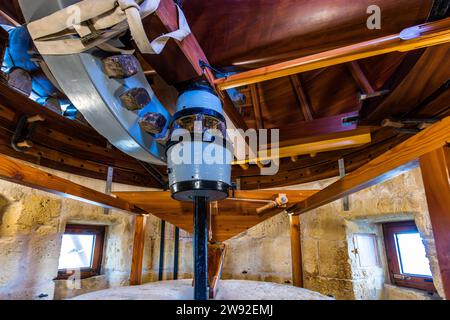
{"points": [[430, 34], [302, 97], [360, 78], [396, 161], [312, 146], [256, 106], [17, 172]]}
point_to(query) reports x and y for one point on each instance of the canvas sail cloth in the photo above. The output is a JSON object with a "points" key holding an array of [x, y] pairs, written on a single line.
{"points": [[92, 23]]}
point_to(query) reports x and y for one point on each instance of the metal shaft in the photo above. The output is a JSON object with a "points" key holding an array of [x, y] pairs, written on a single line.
{"points": [[200, 249]]}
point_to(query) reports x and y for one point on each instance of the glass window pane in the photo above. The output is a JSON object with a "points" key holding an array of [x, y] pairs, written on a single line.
{"points": [[76, 251], [412, 256]]}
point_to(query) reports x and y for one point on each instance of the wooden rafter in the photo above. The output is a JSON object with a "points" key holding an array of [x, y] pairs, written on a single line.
{"points": [[302, 97], [431, 34], [426, 76], [256, 106], [23, 174], [360, 78], [396, 161]]}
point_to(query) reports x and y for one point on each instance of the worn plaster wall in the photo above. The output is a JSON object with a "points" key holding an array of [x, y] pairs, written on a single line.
{"points": [[31, 227], [330, 263]]}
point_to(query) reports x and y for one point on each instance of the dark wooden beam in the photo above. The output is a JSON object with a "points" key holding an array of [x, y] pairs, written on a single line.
{"points": [[296, 251], [300, 132], [396, 161], [360, 77], [17, 172], [138, 250], [435, 167], [302, 97], [256, 106]]}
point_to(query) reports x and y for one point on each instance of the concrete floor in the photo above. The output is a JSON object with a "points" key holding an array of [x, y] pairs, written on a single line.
{"points": [[228, 290]]}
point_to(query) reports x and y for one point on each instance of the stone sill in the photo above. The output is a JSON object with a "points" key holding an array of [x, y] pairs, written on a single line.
{"points": [[392, 292]]}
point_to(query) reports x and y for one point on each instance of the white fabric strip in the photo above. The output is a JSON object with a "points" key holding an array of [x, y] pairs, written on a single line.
{"points": [[108, 17]]}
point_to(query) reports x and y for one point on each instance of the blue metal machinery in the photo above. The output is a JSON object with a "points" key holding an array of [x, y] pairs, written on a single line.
{"points": [[192, 142]]}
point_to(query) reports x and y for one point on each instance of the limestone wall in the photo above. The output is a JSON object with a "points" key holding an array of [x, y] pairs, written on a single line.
{"points": [[31, 227], [329, 260]]}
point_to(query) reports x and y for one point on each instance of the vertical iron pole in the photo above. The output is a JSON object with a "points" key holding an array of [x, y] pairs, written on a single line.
{"points": [[161, 250], [200, 249], [176, 253]]}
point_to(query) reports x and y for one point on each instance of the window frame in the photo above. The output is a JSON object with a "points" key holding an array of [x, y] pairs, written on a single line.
{"points": [[96, 266], [397, 277]]}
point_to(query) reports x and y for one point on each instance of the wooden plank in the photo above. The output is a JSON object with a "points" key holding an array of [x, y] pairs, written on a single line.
{"points": [[138, 250], [302, 97], [256, 106], [23, 174], [296, 251], [432, 34], [396, 161], [435, 167]]}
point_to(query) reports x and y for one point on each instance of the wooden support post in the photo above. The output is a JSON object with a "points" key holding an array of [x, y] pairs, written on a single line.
{"points": [[435, 168], [296, 251], [138, 250]]}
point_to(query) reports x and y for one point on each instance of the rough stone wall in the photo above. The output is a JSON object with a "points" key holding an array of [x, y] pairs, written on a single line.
{"points": [[31, 227], [329, 263]]}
